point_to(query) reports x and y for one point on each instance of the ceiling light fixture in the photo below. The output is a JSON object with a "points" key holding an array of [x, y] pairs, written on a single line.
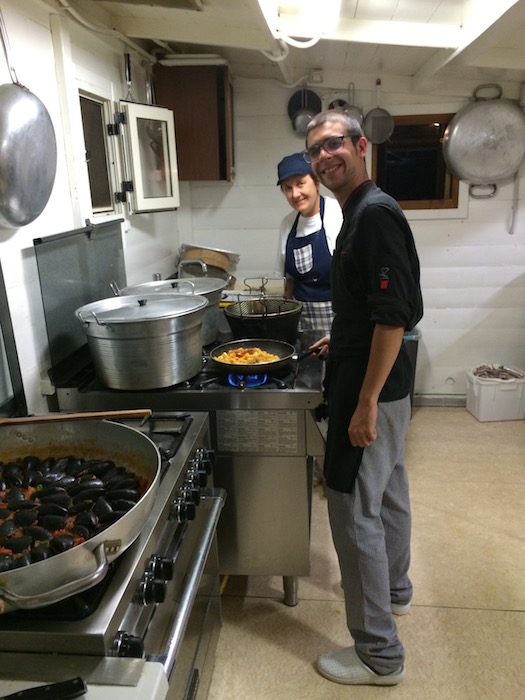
{"points": [[300, 23]]}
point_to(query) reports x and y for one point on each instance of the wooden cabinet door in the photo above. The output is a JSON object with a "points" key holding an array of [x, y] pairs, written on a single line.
{"points": [[201, 100]]}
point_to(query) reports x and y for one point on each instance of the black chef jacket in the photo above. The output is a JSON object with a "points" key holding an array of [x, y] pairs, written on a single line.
{"points": [[375, 279]]}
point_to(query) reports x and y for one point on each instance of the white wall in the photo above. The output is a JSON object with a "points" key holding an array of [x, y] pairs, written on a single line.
{"points": [[473, 270]]}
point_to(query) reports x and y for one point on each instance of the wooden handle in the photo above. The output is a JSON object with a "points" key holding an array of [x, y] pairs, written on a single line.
{"points": [[93, 415]]}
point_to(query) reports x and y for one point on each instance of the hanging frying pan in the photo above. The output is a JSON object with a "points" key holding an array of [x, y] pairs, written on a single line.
{"points": [[379, 124], [348, 107], [484, 142], [28, 154], [302, 107]]}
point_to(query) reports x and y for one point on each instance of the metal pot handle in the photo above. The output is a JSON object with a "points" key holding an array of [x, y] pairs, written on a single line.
{"points": [[482, 191], [68, 589], [488, 86], [92, 313]]}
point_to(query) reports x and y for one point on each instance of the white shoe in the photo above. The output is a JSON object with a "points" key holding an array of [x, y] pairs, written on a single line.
{"points": [[345, 666], [400, 608]]}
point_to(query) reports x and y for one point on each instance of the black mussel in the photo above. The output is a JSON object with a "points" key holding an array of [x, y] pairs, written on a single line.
{"points": [[23, 505], [66, 481], [17, 544], [32, 478], [100, 469], [61, 498], [7, 528], [123, 481], [81, 531], [113, 473], [80, 507], [48, 464], [13, 474], [14, 495], [25, 517], [32, 463], [89, 494], [126, 494], [86, 482], [88, 519], [51, 509], [122, 505], [61, 543], [75, 467], [5, 512], [38, 534], [7, 561], [102, 507], [49, 490], [109, 519], [23, 560], [52, 522], [40, 552], [51, 478]]}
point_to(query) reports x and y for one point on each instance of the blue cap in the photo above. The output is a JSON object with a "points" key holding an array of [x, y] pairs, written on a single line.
{"points": [[293, 165]]}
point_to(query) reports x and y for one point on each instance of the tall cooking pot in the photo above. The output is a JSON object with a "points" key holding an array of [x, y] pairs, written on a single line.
{"points": [[81, 567], [208, 287], [144, 341], [266, 317]]}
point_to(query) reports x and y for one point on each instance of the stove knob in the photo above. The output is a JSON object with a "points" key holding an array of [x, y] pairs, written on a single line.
{"points": [[150, 590], [160, 567], [206, 458], [197, 476], [182, 510], [127, 645], [191, 492]]}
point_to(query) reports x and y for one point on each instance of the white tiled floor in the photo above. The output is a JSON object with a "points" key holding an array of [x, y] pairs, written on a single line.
{"points": [[465, 635]]}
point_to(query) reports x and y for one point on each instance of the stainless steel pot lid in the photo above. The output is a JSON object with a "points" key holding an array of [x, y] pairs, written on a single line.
{"points": [[140, 307], [185, 285]]}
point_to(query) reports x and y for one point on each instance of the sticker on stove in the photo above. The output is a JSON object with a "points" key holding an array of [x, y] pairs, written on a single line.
{"points": [[258, 432]]}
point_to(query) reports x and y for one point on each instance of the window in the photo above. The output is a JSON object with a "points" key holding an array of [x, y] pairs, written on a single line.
{"points": [[95, 140], [410, 166]]}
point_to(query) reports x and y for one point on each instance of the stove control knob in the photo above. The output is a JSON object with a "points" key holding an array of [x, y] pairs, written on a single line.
{"points": [[196, 475], [205, 457], [128, 646], [182, 510], [160, 567], [150, 590], [191, 491]]}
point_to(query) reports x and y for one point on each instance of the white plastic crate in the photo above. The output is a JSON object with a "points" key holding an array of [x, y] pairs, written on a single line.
{"points": [[492, 399]]}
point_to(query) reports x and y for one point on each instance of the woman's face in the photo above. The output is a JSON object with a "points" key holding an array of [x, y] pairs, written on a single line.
{"points": [[302, 193]]}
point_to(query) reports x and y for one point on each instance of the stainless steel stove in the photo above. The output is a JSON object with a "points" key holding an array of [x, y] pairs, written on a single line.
{"points": [[156, 614], [264, 434]]}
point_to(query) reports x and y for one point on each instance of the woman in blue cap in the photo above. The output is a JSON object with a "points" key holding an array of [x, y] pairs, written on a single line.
{"points": [[307, 241]]}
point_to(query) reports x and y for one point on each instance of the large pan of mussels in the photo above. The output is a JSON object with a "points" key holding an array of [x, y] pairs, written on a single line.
{"points": [[74, 495]]}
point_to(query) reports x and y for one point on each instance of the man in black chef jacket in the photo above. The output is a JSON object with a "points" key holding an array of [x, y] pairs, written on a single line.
{"points": [[376, 298]]}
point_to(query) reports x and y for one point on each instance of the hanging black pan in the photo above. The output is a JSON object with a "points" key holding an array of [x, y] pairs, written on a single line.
{"points": [[28, 154], [284, 351]]}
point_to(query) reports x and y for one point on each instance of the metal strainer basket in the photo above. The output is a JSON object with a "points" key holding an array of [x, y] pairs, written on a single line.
{"points": [[265, 317]]}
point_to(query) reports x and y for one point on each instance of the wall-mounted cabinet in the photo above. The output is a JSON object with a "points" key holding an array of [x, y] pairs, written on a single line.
{"points": [[201, 100]]}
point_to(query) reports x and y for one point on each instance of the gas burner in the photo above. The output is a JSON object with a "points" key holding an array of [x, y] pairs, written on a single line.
{"points": [[247, 381]]}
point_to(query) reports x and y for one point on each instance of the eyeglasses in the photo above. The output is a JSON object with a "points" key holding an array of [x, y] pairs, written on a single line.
{"points": [[333, 144]]}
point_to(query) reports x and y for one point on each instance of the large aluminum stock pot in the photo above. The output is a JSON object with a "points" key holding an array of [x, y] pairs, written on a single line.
{"points": [[81, 567], [208, 287], [147, 341]]}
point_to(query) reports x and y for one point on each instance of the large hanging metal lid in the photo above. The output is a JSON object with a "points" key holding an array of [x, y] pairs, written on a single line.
{"points": [[140, 307]]}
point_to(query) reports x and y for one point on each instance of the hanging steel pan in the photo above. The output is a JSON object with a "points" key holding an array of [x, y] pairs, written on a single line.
{"points": [[484, 142], [28, 151]]}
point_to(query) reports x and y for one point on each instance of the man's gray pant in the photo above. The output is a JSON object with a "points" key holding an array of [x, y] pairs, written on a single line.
{"points": [[371, 533]]}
